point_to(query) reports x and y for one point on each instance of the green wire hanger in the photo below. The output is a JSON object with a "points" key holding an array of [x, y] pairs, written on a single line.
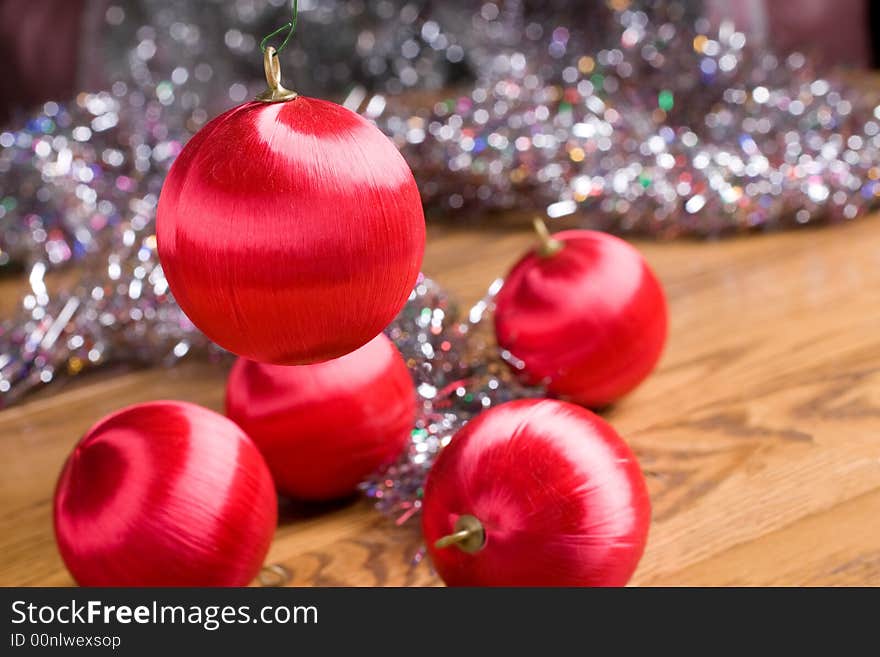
{"points": [[290, 26]]}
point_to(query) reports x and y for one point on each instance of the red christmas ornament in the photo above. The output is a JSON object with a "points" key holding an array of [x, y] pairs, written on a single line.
{"points": [[585, 315], [536, 493], [324, 427], [164, 494], [290, 229]]}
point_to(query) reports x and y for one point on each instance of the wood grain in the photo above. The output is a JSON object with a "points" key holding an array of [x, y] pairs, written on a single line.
{"points": [[759, 433]]}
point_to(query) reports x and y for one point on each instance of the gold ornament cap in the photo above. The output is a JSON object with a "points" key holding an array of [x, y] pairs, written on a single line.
{"points": [[276, 93], [468, 535]]}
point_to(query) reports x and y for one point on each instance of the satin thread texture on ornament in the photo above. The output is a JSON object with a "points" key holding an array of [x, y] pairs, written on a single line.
{"points": [[164, 494], [323, 428], [559, 494], [290, 232], [588, 322]]}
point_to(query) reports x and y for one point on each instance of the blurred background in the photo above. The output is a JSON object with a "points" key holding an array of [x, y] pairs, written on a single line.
{"points": [[54, 48]]}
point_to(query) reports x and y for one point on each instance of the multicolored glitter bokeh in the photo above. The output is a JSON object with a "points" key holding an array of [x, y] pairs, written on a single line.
{"points": [[676, 129]]}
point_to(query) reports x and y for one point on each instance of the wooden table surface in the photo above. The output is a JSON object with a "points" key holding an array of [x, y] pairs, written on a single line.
{"points": [[759, 433]]}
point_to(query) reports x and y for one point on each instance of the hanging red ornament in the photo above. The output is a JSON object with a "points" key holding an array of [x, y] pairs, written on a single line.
{"points": [[164, 494], [324, 427], [584, 314], [536, 493], [290, 229]]}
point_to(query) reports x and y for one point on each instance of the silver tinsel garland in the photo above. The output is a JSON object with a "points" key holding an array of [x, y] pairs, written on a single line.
{"points": [[458, 372], [120, 312], [676, 130]]}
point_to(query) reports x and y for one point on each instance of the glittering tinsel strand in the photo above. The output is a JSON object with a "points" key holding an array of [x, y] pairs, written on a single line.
{"points": [[458, 372]]}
